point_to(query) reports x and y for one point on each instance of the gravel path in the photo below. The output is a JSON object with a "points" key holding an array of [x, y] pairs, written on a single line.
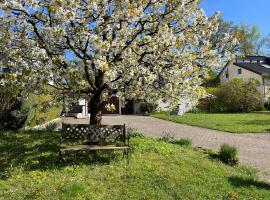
{"points": [[254, 149]]}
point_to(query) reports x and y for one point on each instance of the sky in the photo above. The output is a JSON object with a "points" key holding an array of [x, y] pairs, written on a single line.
{"points": [[253, 12]]}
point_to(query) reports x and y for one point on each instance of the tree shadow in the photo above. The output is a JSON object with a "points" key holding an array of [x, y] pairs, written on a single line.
{"points": [[242, 182], [37, 150], [257, 122]]}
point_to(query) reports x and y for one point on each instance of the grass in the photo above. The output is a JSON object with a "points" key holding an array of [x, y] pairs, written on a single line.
{"points": [[30, 169], [234, 123]]}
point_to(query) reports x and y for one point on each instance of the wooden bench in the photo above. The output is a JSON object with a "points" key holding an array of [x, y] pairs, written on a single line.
{"points": [[84, 137]]}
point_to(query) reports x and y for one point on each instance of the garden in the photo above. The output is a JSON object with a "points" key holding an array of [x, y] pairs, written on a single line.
{"points": [[157, 169], [55, 54], [235, 107]]}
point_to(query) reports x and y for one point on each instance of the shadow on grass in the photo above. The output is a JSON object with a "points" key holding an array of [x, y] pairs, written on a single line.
{"points": [[241, 182], [38, 150], [257, 122]]}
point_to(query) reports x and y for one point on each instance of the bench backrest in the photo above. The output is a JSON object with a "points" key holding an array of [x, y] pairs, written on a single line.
{"points": [[94, 134]]}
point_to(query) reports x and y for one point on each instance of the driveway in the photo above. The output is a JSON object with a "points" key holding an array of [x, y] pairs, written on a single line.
{"points": [[254, 149]]}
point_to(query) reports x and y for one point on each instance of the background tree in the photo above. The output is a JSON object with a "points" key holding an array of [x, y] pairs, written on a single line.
{"points": [[251, 42], [152, 50], [250, 39]]}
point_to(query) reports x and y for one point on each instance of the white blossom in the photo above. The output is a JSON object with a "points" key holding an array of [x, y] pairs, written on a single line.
{"points": [[140, 50]]}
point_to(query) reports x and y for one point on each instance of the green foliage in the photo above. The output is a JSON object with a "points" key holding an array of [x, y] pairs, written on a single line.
{"points": [[147, 108], [267, 105], [250, 39], [196, 110], [230, 122], [40, 111], [52, 126], [237, 96], [167, 137], [12, 115], [228, 154], [170, 138], [30, 169], [211, 80], [183, 142], [131, 132]]}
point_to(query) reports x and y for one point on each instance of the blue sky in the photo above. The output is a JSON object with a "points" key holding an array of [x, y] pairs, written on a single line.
{"points": [[253, 12]]}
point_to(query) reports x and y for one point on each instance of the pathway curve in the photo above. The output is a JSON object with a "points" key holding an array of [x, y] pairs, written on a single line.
{"points": [[254, 149]]}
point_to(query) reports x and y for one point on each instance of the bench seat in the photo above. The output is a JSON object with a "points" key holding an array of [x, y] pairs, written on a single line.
{"points": [[90, 147], [85, 137]]}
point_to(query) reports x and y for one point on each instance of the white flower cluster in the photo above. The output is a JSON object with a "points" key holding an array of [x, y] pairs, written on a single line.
{"points": [[110, 107], [153, 50]]}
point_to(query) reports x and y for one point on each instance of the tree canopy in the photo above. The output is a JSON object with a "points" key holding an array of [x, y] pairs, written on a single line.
{"points": [[251, 41], [143, 49]]}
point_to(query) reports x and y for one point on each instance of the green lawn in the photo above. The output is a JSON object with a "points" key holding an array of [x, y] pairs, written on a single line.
{"points": [[30, 169], [234, 123]]}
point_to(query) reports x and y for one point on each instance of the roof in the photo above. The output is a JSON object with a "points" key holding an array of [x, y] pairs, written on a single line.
{"points": [[254, 57], [222, 69], [255, 67]]}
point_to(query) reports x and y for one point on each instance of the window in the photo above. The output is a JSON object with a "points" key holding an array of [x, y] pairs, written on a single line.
{"points": [[239, 71]]}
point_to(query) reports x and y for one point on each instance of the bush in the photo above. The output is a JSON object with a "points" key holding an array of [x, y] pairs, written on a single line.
{"points": [[170, 138], [12, 115], [236, 96], [14, 118], [147, 108], [167, 137], [267, 105], [183, 142], [131, 132], [52, 126], [228, 154]]}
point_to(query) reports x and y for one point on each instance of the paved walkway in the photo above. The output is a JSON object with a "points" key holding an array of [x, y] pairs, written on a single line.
{"points": [[254, 149]]}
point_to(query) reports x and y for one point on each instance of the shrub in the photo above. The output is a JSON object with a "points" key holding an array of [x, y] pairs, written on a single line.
{"points": [[52, 126], [196, 110], [267, 105], [228, 154], [183, 142], [131, 132], [12, 115], [236, 96], [167, 137], [170, 138], [147, 108]]}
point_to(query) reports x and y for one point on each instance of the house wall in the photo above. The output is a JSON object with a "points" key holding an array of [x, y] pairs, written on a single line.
{"points": [[245, 75], [267, 88]]}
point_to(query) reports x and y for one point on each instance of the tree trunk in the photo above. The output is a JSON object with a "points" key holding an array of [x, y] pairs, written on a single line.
{"points": [[95, 109]]}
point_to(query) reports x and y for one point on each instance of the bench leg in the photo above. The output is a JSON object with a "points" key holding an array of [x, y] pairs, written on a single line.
{"points": [[124, 153], [60, 155]]}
